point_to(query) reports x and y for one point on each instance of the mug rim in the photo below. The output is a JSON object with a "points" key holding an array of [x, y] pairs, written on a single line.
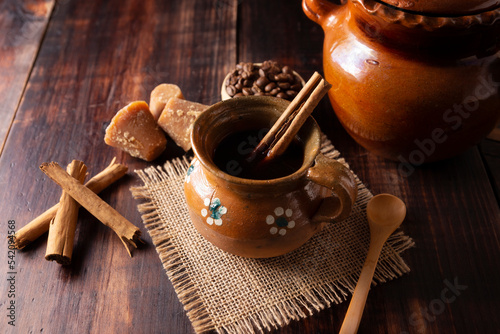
{"points": [[277, 103]]}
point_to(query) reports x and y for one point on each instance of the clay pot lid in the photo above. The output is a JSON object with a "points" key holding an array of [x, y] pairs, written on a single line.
{"points": [[444, 7]]}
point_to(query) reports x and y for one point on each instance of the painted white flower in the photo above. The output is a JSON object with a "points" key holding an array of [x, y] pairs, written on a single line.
{"points": [[280, 221]]}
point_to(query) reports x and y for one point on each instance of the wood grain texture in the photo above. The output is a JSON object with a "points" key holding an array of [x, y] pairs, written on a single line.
{"points": [[490, 151], [279, 31], [97, 56], [22, 25]]}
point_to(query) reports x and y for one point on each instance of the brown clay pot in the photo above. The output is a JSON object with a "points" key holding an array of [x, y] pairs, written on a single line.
{"points": [[262, 218], [414, 81]]}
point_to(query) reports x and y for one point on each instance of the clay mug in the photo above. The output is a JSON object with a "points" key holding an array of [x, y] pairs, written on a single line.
{"points": [[262, 218], [414, 81]]}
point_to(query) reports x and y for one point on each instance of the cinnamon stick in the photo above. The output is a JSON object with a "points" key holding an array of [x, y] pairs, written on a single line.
{"points": [[63, 226], [126, 231], [289, 123], [38, 226], [298, 119]]}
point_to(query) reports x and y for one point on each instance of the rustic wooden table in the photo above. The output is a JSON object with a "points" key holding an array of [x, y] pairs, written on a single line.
{"points": [[67, 66]]}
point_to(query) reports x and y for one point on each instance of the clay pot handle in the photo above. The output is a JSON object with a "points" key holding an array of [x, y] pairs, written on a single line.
{"points": [[335, 176], [319, 10]]}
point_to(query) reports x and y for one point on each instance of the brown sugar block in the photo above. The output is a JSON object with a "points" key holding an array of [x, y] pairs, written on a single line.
{"points": [[160, 96], [134, 130], [177, 120]]}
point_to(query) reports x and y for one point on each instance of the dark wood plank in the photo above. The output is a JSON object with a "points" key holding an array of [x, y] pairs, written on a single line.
{"points": [[490, 151], [453, 214], [277, 30], [96, 57], [22, 25]]}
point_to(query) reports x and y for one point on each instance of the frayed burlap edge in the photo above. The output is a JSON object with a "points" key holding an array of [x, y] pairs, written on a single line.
{"points": [[169, 256], [319, 298], [390, 265]]}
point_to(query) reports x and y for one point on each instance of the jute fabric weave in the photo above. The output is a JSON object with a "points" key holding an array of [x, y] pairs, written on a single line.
{"points": [[230, 294]]}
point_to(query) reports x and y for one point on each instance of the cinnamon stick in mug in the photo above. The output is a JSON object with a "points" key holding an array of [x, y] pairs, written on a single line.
{"points": [[291, 120]]}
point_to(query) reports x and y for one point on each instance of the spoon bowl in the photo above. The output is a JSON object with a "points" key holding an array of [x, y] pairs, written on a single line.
{"points": [[385, 210], [385, 213]]}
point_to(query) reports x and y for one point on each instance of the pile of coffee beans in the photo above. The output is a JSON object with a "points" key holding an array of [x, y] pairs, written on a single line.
{"points": [[269, 79]]}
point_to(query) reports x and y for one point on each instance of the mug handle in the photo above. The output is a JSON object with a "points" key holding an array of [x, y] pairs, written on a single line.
{"points": [[332, 174]]}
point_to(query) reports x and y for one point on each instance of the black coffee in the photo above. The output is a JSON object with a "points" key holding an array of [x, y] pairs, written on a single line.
{"points": [[232, 154]]}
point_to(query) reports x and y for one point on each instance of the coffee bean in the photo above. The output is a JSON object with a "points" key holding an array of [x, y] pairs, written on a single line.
{"points": [[256, 89], [233, 80], [284, 85], [274, 69], [238, 95], [282, 95], [262, 81], [231, 90], [282, 77], [238, 86], [275, 91], [270, 86], [248, 67], [247, 91], [287, 70], [266, 65], [291, 93]]}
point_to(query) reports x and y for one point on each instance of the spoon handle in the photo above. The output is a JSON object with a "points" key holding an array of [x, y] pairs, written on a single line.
{"points": [[358, 300]]}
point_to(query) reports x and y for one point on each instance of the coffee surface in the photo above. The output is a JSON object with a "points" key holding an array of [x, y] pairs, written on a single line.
{"points": [[232, 154]]}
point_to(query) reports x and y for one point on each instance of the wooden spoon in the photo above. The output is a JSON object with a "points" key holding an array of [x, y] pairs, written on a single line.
{"points": [[385, 213]]}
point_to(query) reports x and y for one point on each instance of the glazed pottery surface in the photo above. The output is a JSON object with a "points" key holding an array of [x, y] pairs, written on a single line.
{"points": [[262, 218], [417, 83]]}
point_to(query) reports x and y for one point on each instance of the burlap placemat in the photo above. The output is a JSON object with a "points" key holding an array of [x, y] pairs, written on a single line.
{"points": [[231, 294]]}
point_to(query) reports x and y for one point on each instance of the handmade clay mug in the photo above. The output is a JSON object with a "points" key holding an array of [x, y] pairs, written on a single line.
{"points": [[262, 218], [414, 81]]}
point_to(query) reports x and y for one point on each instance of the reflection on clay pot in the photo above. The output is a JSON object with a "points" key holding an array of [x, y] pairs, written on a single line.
{"points": [[417, 83]]}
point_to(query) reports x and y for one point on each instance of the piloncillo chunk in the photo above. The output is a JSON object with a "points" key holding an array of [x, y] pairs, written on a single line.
{"points": [[134, 130], [160, 96], [177, 120]]}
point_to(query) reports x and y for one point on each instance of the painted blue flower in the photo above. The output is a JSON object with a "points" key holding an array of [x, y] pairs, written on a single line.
{"points": [[216, 211]]}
